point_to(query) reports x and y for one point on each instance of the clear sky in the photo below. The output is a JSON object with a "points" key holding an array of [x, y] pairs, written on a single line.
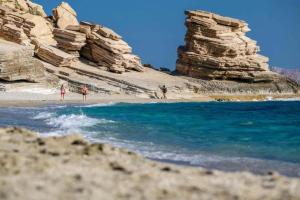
{"points": [[155, 28]]}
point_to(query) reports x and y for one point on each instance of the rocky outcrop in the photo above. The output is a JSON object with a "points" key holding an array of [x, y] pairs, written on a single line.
{"points": [[217, 48], [94, 42], [17, 63], [69, 41], [22, 27], [53, 55], [107, 49], [64, 15], [292, 73], [59, 46], [36, 9], [15, 4], [48, 168]]}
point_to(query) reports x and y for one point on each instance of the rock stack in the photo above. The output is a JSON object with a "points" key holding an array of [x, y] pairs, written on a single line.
{"points": [[17, 63], [69, 41], [107, 49], [217, 48]]}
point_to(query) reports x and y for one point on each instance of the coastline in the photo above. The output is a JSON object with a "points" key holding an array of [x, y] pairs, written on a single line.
{"points": [[25, 99], [69, 168]]}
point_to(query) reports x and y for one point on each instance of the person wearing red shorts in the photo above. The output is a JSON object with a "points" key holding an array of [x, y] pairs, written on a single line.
{"points": [[62, 92]]}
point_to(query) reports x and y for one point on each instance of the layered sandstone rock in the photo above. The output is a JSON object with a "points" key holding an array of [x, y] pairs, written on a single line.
{"points": [[15, 4], [52, 55], [17, 63], [64, 15], [94, 42], [13, 27], [217, 48], [69, 41], [107, 49], [36, 9], [22, 27]]}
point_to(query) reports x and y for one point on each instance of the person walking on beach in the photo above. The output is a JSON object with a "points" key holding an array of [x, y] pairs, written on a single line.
{"points": [[62, 92], [84, 91], [164, 91]]}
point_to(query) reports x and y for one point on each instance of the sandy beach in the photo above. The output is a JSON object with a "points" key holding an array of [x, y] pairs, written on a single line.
{"points": [[21, 98], [39, 99], [71, 168]]}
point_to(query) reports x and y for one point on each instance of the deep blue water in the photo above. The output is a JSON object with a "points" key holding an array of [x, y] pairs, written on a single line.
{"points": [[257, 136]]}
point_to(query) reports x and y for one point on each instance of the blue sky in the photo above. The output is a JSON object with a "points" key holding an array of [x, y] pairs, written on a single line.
{"points": [[155, 28]]}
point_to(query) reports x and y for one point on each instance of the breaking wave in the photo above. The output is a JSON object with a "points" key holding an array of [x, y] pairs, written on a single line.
{"points": [[44, 115], [98, 105]]}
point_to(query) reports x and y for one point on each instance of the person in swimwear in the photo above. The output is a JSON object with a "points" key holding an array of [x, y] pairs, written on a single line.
{"points": [[84, 91], [62, 92], [164, 91]]}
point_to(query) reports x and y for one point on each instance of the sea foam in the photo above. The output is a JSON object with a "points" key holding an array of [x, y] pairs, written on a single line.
{"points": [[98, 105], [44, 115], [75, 121]]}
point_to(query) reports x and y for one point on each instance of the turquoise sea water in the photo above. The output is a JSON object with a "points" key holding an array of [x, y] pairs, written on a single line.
{"points": [[257, 136]]}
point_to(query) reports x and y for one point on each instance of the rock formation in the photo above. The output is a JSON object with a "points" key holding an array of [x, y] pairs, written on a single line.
{"points": [[64, 15], [53, 55], [15, 4], [17, 63], [217, 48], [36, 9], [22, 27], [69, 41], [107, 49], [62, 39]]}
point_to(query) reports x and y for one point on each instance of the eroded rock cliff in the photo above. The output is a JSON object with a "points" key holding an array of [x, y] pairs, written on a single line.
{"points": [[60, 39], [217, 48], [107, 49], [86, 53], [17, 63]]}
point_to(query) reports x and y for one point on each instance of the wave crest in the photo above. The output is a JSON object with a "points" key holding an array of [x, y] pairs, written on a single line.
{"points": [[98, 105], [74, 121]]}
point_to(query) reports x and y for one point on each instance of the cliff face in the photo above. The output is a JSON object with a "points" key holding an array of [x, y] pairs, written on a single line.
{"points": [[292, 73], [17, 63], [217, 48], [78, 53], [60, 39]]}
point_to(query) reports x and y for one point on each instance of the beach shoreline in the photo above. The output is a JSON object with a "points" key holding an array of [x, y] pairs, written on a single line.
{"points": [[70, 168], [25, 99]]}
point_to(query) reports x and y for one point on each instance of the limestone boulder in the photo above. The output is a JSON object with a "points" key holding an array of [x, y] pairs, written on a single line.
{"points": [[64, 15], [17, 63]]}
